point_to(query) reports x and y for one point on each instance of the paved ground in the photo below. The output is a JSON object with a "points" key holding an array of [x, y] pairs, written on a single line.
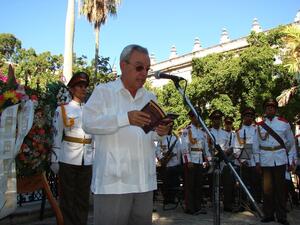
{"points": [[29, 215]]}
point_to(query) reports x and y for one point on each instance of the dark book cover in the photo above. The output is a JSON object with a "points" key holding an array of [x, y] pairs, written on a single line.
{"points": [[157, 115]]}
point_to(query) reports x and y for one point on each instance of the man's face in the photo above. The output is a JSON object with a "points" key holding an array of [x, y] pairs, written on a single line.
{"points": [[194, 121], [216, 122], [135, 71], [248, 119], [270, 110], [228, 125], [79, 91]]}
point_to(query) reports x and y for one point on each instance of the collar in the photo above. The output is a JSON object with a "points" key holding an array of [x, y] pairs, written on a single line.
{"points": [[119, 86], [72, 102]]}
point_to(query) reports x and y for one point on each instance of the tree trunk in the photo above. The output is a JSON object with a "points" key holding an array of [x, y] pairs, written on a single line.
{"points": [[69, 40], [97, 32]]}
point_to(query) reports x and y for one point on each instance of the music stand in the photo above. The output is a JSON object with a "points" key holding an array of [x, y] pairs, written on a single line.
{"points": [[246, 152]]}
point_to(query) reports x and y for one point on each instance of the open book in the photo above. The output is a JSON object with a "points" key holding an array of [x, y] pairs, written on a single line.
{"points": [[158, 116]]}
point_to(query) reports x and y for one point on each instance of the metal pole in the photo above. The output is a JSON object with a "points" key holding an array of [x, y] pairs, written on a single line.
{"points": [[216, 195]]}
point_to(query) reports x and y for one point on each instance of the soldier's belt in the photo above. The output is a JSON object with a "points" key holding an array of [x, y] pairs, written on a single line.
{"points": [[78, 140], [274, 148], [196, 149]]}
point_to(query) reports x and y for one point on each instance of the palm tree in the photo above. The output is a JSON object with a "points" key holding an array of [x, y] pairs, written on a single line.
{"points": [[97, 12], [291, 59], [69, 41]]}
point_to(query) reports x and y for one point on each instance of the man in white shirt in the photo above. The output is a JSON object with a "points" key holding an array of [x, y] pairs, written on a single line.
{"points": [[124, 174]]}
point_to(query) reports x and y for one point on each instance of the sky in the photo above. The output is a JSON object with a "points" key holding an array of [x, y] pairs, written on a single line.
{"points": [[156, 24]]}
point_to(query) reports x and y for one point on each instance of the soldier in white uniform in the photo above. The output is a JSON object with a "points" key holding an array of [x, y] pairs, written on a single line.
{"points": [[276, 145], [245, 158], [73, 154], [198, 156], [169, 155], [225, 139]]}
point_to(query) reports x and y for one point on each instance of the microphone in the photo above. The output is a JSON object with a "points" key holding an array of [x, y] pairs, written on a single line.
{"points": [[160, 75]]}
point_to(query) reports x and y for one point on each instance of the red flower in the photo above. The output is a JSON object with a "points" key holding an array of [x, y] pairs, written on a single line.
{"points": [[41, 132], [22, 157], [33, 97]]}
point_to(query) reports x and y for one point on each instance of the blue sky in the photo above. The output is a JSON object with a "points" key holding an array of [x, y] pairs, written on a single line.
{"points": [[156, 24]]}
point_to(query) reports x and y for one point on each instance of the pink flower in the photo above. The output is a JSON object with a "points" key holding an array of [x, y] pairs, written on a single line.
{"points": [[3, 78]]}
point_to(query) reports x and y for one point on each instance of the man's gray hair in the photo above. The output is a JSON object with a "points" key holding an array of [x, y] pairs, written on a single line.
{"points": [[127, 51]]}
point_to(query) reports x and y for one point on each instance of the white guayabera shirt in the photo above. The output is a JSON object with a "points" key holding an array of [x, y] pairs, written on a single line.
{"points": [[125, 154]]}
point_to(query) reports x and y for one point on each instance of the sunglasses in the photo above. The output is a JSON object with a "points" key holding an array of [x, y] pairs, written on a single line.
{"points": [[139, 68]]}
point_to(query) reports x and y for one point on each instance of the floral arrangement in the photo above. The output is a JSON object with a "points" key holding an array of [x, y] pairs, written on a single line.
{"points": [[34, 155]]}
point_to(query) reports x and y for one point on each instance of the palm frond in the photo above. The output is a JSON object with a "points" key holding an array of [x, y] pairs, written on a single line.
{"points": [[285, 96]]}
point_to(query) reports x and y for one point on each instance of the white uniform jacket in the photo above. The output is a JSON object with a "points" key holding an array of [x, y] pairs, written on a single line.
{"points": [[275, 155], [245, 135], [199, 149], [66, 151], [162, 148], [223, 138], [125, 154]]}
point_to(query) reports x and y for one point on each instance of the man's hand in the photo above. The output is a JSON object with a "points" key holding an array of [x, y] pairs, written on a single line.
{"points": [[138, 118], [258, 168], [54, 167], [164, 128]]}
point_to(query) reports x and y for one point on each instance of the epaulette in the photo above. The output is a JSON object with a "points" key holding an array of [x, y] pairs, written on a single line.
{"points": [[282, 119]]}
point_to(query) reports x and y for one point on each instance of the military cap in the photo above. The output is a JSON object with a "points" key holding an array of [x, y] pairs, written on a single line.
{"points": [[248, 111], [228, 119], [270, 102], [79, 77], [216, 114]]}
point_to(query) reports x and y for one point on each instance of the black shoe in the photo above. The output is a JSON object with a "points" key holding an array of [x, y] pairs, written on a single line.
{"points": [[283, 221], [228, 209], [239, 209], [267, 219], [200, 211], [188, 212]]}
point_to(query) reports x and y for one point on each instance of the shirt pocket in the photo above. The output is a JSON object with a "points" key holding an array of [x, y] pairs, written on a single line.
{"points": [[118, 167]]}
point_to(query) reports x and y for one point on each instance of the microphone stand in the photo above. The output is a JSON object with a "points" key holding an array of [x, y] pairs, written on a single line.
{"points": [[218, 156]]}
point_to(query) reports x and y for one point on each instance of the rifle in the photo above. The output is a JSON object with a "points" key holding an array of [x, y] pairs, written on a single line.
{"points": [[168, 155]]}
